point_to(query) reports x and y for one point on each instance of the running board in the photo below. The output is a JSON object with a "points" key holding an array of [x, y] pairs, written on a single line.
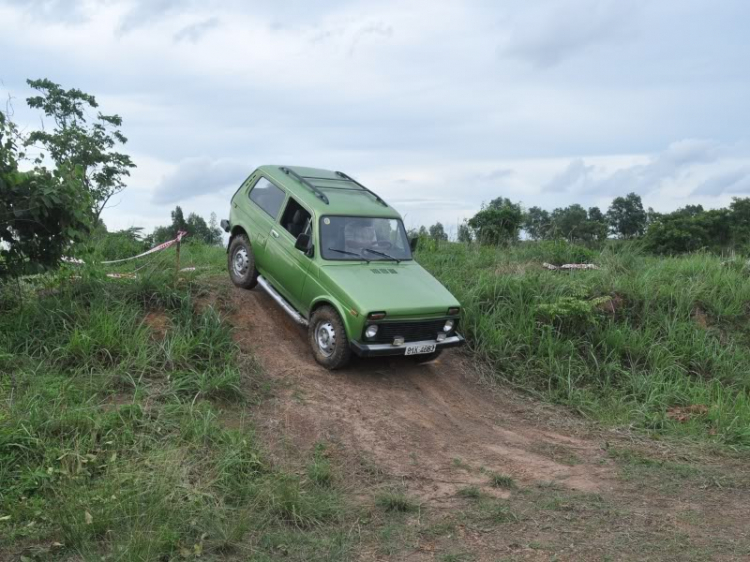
{"points": [[281, 301]]}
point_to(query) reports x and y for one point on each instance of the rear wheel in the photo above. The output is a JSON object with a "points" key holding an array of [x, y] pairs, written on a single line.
{"points": [[241, 263], [327, 337]]}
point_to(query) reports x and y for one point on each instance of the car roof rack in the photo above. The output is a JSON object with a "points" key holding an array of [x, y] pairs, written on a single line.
{"points": [[343, 176], [319, 194]]}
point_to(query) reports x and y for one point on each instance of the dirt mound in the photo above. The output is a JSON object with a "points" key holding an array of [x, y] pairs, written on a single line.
{"points": [[433, 426]]}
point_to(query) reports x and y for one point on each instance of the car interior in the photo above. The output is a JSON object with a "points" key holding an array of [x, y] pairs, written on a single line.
{"points": [[295, 218]]}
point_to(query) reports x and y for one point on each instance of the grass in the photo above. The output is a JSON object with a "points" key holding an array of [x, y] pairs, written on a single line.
{"points": [[502, 481], [396, 502], [627, 344], [111, 446]]}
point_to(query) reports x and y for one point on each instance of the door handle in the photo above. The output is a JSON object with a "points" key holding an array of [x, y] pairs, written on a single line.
{"points": [[274, 233]]}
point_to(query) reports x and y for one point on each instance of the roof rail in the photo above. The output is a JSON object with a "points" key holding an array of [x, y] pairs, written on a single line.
{"points": [[375, 195], [319, 194]]}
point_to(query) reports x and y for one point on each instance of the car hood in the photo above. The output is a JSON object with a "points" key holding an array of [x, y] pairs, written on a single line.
{"points": [[404, 289]]}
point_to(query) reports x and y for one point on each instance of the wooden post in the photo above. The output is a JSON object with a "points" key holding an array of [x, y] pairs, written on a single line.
{"points": [[178, 258]]}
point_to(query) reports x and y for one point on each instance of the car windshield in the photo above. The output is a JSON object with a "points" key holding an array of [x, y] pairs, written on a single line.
{"points": [[356, 238]]}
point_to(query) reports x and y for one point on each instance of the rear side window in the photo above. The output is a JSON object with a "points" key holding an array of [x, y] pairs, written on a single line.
{"points": [[267, 196]]}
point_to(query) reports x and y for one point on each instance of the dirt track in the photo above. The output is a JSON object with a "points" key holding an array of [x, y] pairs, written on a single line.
{"points": [[424, 423], [436, 429]]}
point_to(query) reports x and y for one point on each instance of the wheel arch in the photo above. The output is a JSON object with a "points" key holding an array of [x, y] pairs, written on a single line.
{"points": [[237, 230], [327, 300]]}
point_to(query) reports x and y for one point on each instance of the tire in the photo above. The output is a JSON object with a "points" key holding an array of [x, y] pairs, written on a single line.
{"points": [[327, 337], [427, 357], [241, 263]]}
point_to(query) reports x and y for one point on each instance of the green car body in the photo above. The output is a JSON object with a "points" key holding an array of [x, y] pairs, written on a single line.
{"points": [[299, 232]]}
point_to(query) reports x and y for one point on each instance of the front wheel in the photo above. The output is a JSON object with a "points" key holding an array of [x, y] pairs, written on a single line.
{"points": [[328, 340], [241, 263]]}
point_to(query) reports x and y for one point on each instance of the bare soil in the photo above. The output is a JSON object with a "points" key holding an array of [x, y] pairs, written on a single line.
{"points": [[581, 492]]}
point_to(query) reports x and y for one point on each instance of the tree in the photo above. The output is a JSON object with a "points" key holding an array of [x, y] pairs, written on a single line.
{"points": [[41, 211], [76, 142], [498, 223], [464, 233], [596, 226], [740, 218], [195, 227], [626, 216], [569, 222], [437, 232], [215, 231], [537, 223], [690, 230]]}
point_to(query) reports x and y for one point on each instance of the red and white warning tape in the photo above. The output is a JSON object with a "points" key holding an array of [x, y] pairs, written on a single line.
{"points": [[180, 235], [158, 248]]}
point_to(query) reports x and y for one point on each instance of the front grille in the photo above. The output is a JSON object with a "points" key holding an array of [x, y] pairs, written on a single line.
{"points": [[418, 330]]}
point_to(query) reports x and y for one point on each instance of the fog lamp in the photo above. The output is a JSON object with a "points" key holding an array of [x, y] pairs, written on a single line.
{"points": [[398, 340], [441, 336], [448, 326], [371, 330]]}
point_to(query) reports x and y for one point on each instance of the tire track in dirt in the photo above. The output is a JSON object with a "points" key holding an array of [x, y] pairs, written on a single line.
{"points": [[432, 426]]}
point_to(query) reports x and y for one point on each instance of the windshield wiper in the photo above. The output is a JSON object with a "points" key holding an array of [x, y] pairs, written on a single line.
{"points": [[382, 254], [347, 252]]}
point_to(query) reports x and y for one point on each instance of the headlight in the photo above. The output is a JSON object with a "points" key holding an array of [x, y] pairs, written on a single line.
{"points": [[371, 330], [448, 326]]}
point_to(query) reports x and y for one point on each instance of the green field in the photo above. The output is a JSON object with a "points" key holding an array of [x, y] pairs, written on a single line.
{"points": [[114, 394], [624, 343]]}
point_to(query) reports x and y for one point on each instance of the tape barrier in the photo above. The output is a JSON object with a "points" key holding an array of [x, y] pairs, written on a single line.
{"points": [[180, 235]]}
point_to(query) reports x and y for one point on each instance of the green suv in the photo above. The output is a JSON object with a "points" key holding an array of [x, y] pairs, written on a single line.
{"points": [[336, 258]]}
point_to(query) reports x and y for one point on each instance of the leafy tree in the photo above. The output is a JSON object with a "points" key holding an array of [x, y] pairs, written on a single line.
{"points": [[576, 224], [75, 141], [41, 211], [626, 216], [464, 233], [740, 218], [690, 229], [498, 223], [195, 227], [596, 226], [437, 232], [537, 223], [569, 222]]}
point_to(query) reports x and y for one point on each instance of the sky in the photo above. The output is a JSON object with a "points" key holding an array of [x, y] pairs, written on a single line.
{"points": [[439, 106]]}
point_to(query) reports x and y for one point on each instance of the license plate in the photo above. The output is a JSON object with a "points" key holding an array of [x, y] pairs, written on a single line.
{"points": [[419, 349]]}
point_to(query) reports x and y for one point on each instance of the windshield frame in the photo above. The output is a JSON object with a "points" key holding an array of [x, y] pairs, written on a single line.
{"points": [[369, 257]]}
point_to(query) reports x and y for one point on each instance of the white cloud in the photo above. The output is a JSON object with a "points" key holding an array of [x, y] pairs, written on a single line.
{"points": [[411, 98], [199, 176], [546, 33]]}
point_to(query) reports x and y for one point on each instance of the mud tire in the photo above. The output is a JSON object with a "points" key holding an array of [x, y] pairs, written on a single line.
{"points": [[241, 263], [327, 337]]}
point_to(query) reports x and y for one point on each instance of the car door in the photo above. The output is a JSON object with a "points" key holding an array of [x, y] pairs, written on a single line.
{"points": [[287, 265], [259, 213]]}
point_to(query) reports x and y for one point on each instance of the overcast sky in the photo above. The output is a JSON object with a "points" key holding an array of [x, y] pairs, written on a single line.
{"points": [[436, 105]]}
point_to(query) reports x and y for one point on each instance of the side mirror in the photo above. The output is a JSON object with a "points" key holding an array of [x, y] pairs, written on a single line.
{"points": [[303, 242], [413, 243]]}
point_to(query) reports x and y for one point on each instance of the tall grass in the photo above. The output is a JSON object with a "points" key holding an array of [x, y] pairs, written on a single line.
{"points": [[624, 344], [111, 441]]}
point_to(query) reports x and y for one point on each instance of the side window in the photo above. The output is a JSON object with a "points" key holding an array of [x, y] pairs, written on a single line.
{"points": [[267, 196], [295, 219]]}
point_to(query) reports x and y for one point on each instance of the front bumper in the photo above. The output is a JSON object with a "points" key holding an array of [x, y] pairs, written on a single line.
{"points": [[380, 349]]}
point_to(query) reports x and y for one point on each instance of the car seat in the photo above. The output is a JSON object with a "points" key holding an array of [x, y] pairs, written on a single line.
{"points": [[297, 224]]}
